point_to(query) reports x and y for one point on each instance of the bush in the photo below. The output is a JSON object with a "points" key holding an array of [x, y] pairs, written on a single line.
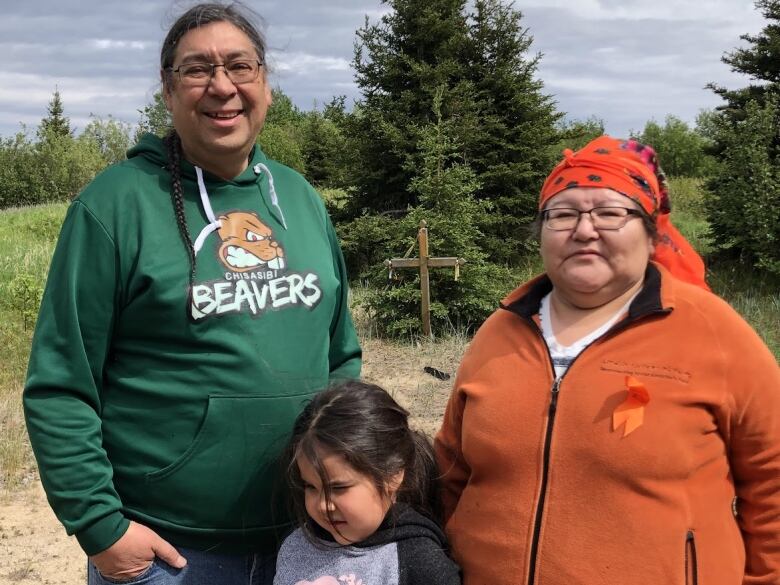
{"points": [[689, 212], [25, 292], [21, 181], [282, 143], [681, 149], [744, 208], [68, 164], [55, 168]]}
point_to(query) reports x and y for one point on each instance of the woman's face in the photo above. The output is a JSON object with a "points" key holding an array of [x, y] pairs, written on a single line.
{"points": [[217, 123], [590, 266]]}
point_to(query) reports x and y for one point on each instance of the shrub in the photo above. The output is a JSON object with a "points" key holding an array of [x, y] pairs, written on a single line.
{"points": [[21, 180], [25, 292], [744, 208], [689, 212], [282, 143]]}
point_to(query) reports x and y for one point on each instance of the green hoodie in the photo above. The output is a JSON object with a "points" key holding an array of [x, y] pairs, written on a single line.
{"points": [[152, 401]]}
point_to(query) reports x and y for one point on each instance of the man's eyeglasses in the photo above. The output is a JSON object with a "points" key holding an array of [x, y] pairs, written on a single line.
{"points": [[602, 218], [200, 74]]}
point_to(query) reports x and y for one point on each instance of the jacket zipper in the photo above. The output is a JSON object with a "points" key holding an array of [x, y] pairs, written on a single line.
{"points": [[691, 565], [545, 471], [548, 433]]}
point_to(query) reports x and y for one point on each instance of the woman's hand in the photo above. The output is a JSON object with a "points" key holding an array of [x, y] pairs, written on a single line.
{"points": [[132, 554]]}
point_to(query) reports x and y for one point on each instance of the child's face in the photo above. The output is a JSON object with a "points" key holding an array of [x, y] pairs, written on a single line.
{"points": [[357, 506]]}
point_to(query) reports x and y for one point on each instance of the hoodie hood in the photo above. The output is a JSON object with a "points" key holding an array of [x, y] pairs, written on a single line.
{"points": [[401, 523], [153, 149], [404, 523]]}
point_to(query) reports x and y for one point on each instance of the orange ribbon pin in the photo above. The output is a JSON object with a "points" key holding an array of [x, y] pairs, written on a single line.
{"points": [[632, 410]]}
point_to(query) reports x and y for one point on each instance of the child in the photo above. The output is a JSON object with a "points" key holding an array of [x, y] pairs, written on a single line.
{"points": [[364, 490]]}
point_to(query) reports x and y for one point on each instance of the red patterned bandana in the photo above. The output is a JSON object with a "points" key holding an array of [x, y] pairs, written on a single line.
{"points": [[631, 169]]}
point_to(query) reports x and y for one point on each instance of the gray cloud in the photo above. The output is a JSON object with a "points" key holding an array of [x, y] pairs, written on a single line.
{"points": [[625, 61], [629, 70]]}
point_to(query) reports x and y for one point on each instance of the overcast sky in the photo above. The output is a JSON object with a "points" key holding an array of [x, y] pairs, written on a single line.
{"points": [[624, 61]]}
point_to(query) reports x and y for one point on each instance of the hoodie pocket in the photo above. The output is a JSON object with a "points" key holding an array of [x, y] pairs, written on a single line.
{"points": [[691, 567], [228, 477]]}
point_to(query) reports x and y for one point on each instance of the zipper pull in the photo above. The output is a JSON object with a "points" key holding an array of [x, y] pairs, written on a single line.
{"points": [[555, 390]]}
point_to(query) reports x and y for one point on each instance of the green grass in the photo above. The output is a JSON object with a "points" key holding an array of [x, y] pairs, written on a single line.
{"points": [[27, 237], [754, 295]]}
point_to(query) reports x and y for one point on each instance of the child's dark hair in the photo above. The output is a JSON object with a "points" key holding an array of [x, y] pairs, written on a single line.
{"points": [[362, 423]]}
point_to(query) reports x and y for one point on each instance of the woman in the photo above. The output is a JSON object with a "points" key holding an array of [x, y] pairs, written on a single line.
{"points": [[611, 423], [197, 297]]}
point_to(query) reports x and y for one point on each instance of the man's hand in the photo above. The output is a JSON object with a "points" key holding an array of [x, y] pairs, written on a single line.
{"points": [[132, 554]]}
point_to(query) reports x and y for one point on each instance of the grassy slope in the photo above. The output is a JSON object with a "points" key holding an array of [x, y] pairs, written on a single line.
{"points": [[27, 237]]}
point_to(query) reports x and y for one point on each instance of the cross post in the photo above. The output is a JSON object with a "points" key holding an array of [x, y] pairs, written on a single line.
{"points": [[424, 263]]}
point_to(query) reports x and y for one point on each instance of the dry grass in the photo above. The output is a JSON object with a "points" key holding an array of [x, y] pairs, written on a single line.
{"points": [[398, 368]]}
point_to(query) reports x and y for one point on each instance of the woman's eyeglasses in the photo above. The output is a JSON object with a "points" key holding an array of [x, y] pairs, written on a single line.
{"points": [[602, 218]]}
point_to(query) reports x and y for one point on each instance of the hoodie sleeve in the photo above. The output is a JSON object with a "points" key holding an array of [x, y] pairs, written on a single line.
{"points": [[422, 562], [345, 355], [62, 393]]}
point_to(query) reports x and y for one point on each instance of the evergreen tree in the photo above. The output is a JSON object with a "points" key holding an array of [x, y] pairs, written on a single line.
{"points": [[760, 60], [282, 110], [283, 143], [489, 97], [282, 135], [744, 210], [399, 64], [55, 124], [324, 149], [514, 125], [445, 187]]}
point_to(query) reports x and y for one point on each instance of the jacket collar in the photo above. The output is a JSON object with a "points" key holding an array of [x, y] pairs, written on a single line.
{"points": [[656, 296]]}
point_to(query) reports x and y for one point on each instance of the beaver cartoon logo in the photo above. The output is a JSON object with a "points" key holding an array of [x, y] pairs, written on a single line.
{"points": [[247, 243], [258, 278]]}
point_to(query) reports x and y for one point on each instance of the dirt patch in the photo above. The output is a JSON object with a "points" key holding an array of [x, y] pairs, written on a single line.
{"points": [[35, 550], [399, 370]]}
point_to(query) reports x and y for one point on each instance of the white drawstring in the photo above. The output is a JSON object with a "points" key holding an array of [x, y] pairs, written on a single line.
{"points": [[214, 224], [274, 199]]}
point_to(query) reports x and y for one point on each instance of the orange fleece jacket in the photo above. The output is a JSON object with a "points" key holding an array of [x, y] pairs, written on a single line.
{"points": [[590, 505]]}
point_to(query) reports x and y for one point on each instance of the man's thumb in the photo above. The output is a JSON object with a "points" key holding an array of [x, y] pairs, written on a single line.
{"points": [[164, 551]]}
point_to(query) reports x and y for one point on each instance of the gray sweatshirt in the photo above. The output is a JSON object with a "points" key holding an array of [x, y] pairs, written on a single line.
{"points": [[407, 549]]}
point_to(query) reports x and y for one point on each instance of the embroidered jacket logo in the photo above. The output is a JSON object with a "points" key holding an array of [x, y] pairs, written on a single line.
{"points": [[256, 279]]}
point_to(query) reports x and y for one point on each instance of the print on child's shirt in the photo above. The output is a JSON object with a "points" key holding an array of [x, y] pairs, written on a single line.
{"points": [[350, 579]]}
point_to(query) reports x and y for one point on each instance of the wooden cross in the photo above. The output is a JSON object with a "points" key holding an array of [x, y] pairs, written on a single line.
{"points": [[424, 262]]}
